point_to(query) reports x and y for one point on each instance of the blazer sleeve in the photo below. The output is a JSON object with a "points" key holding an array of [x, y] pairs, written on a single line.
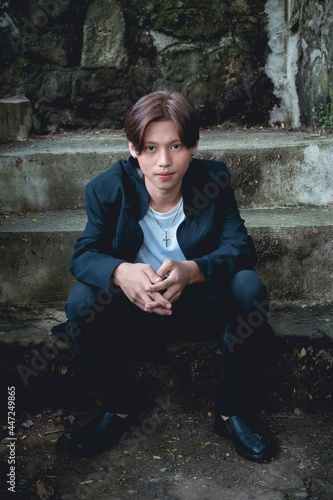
{"points": [[92, 262], [235, 249]]}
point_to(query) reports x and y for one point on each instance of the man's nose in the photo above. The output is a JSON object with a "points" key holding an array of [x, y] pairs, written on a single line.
{"points": [[164, 158]]}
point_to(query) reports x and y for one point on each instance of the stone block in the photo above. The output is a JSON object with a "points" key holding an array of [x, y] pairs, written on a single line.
{"points": [[104, 36], [15, 118]]}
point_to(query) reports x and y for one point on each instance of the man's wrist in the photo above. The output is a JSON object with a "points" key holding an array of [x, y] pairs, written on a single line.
{"points": [[116, 275], [196, 275]]}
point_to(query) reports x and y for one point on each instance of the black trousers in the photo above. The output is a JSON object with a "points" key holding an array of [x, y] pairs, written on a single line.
{"points": [[236, 312]]}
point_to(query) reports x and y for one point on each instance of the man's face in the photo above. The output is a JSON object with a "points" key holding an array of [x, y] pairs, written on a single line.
{"points": [[164, 160]]}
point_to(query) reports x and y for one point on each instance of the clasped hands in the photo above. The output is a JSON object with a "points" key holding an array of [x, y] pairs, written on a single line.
{"points": [[144, 287]]}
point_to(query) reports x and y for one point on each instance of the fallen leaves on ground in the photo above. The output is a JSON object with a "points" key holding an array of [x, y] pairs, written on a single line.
{"points": [[44, 490]]}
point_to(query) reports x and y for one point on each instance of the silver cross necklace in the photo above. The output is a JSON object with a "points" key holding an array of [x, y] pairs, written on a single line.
{"points": [[166, 239]]}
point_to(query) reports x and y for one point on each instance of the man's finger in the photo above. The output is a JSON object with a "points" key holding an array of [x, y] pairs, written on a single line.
{"points": [[153, 277], [157, 287], [157, 298], [154, 307], [164, 269]]}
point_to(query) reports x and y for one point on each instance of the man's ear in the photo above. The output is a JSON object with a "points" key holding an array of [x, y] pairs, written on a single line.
{"points": [[194, 149], [132, 150]]}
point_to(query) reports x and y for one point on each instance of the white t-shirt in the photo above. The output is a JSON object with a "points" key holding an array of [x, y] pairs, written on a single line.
{"points": [[155, 250]]}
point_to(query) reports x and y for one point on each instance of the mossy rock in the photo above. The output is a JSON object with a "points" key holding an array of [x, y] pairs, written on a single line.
{"points": [[192, 19]]}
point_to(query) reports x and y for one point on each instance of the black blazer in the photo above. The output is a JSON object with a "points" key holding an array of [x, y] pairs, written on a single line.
{"points": [[212, 234]]}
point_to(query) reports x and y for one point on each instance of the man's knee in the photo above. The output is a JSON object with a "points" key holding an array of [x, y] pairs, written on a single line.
{"points": [[84, 303], [250, 294]]}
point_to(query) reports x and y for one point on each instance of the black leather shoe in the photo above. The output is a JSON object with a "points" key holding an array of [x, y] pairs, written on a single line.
{"points": [[99, 434], [249, 442]]}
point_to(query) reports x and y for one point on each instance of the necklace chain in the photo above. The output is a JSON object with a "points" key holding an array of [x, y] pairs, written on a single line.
{"points": [[166, 239]]}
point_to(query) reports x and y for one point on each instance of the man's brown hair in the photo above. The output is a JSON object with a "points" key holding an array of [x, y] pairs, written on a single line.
{"points": [[162, 105]]}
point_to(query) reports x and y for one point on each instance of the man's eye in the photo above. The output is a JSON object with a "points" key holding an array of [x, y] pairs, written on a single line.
{"points": [[176, 146], [150, 148]]}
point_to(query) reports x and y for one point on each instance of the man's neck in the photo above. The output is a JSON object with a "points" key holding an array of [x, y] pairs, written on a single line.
{"points": [[162, 201], [164, 204]]}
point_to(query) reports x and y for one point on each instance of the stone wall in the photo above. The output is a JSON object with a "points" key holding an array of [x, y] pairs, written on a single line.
{"points": [[300, 61], [83, 63]]}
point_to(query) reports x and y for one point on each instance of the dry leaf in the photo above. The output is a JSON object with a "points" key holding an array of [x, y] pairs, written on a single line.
{"points": [[104, 490], [44, 491]]}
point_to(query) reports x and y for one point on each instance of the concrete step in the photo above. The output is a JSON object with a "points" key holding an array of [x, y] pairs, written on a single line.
{"points": [[268, 168], [15, 118], [294, 247]]}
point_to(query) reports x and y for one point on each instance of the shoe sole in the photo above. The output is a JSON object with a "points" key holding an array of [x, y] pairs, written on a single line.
{"points": [[255, 458]]}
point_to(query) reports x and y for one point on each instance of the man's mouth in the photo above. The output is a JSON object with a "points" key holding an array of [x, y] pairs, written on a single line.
{"points": [[165, 175]]}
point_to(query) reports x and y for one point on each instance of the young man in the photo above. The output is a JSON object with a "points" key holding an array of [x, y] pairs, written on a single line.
{"points": [[165, 250]]}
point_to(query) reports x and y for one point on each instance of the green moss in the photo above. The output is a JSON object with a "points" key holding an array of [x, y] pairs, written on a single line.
{"points": [[322, 115], [191, 20]]}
